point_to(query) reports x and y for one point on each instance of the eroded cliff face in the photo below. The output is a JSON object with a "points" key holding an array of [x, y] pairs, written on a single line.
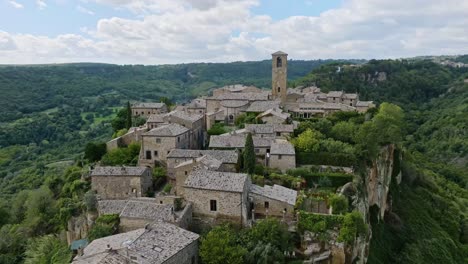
{"points": [[373, 191]]}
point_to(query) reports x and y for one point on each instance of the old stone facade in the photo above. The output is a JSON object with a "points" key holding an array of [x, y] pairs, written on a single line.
{"points": [[147, 109], [121, 182], [158, 142], [282, 155], [158, 243], [279, 73], [276, 201], [218, 195]]}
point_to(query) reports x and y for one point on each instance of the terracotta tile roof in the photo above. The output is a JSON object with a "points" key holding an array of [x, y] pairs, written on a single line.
{"points": [[168, 130], [236, 141], [282, 147], [153, 245], [225, 156], [148, 105], [262, 106], [275, 192], [118, 171], [214, 180]]}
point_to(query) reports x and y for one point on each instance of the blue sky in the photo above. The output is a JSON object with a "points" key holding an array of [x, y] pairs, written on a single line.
{"points": [[69, 16], [180, 31]]}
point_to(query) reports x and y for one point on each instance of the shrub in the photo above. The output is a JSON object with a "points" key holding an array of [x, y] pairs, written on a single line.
{"points": [[326, 158], [339, 204], [167, 188], [216, 129]]}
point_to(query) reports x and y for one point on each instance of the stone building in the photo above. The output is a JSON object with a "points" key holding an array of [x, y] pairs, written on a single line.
{"points": [[146, 109], [194, 122], [158, 243], [132, 136], [136, 213], [282, 155], [261, 145], [363, 106], [236, 88], [270, 130], [274, 116], [276, 200], [218, 195], [279, 72], [158, 142], [182, 170], [258, 107], [121, 182], [228, 158]]}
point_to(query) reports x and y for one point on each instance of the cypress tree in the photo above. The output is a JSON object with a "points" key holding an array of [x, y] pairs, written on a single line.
{"points": [[129, 116], [249, 155]]}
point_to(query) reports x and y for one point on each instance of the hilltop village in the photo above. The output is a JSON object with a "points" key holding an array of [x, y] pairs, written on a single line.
{"points": [[204, 183]]}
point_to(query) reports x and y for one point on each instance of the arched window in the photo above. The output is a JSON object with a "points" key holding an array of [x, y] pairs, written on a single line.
{"points": [[279, 62]]}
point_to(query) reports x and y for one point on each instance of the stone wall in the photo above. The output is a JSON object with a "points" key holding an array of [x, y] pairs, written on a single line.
{"points": [[188, 255], [121, 187], [163, 147], [184, 217], [275, 207], [145, 112], [230, 205], [284, 163]]}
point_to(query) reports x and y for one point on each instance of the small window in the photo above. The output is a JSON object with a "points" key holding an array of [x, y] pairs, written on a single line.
{"points": [[279, 62], [158, 140], [257, 150], [278, 134], [148, 154], [279, 89], [133, 190], [133, 258], [213, 205], [149, 112], [231, 117], [267, 205], [186, 172], [160, 202], [155, 153], [178, 139], [279, 156]]}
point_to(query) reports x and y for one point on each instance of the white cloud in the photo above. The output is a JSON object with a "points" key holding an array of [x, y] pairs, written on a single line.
{"points": [[41, 4], [15, 4], [84, 10], [173, 31]]}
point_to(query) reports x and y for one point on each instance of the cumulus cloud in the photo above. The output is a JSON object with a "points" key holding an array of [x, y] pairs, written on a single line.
{"points": [[174, 31], [15, 4], [41, 4]]}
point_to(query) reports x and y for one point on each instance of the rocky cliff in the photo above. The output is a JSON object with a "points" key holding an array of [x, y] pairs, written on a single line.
{"points": [[372, 196]]}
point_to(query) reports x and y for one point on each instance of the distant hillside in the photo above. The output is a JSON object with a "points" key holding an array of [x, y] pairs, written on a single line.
{"points": [[29, 89]]}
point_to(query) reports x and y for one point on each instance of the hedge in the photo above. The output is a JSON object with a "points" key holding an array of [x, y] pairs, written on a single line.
{"points": [[307, 220], [325, 158], [336, 178]]}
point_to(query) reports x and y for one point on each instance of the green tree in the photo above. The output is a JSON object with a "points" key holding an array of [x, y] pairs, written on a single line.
{"points": [[40, 211], [122, 156], [94, 151], [389, 123], [344, 131], [220, 246], [128, 121], [249, 155], [47, 250], [120, 121], [339, 204], [264, 254], [90, 201], [270, 231], [308, 141], [216, 129], [353, 226]]}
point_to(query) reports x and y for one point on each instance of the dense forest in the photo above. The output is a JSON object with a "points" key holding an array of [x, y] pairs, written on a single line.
{"points": [[50, 112]]}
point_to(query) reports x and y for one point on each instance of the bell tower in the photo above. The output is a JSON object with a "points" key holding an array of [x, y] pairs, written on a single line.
{"points": [[279, 75]]}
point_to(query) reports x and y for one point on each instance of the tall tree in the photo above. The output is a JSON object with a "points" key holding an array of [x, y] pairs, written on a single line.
{"points": [[219, 246], [47, 249], [129, 116], [249, 155]]}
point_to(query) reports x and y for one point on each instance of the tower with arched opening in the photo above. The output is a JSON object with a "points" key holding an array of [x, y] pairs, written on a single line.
{"points": [[279, 75]]}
